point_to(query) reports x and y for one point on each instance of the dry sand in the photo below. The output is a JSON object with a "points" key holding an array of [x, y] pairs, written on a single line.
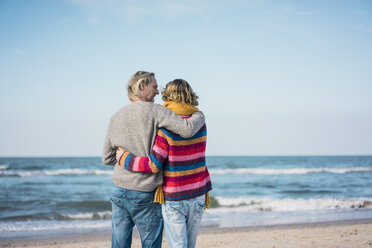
{"points": [[346, 234]]}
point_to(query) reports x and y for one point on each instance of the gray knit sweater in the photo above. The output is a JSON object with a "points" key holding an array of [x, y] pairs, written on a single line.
{"points": [[134, 128]]}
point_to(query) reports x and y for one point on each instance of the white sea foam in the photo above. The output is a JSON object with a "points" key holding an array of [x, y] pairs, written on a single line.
{"points": [[88, 216], [48, 225], [289, 204], [54, 172], [234, 212], [4, 167], [64, 221], [259, 171]]}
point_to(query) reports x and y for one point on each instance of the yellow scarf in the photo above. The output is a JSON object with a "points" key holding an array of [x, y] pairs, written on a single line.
{"points": [[180, 109]]}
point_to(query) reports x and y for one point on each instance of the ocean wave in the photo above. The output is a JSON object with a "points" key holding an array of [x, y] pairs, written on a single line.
{"points": [[3, 167], [85, 204], [106, 215], [51, 225], [98, 215], [14, 173], [259, 171], [288, 204]]}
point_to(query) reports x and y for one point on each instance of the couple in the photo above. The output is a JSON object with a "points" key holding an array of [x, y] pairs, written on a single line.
{"points": [[160, 172]]}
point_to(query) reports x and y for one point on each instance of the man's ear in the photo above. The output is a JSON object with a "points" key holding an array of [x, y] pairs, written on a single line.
{"points": [[140, 86]]}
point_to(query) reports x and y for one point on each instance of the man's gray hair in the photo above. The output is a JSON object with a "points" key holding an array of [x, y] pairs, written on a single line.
{"points": [[136, 82]]}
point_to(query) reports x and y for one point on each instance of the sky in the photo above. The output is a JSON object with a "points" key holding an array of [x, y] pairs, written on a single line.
{"points": [[273, 77]]}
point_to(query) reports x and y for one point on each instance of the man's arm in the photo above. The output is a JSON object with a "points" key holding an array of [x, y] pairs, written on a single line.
{"points": [[186, 128], [109, 152], [151, 164]]}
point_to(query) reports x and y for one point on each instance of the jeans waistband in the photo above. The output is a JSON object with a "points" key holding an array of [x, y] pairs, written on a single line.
{"points": [[131, 193]]}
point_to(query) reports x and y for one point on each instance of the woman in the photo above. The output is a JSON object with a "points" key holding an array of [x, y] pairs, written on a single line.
{"points": [[186, 177]]}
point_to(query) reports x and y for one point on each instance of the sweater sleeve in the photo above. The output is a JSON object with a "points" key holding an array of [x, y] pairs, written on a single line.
{"points": [[151, 164], [109, 152], [169, 120]]}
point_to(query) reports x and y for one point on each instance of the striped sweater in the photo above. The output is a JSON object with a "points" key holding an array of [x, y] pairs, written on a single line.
{"points": [[183, 160]]}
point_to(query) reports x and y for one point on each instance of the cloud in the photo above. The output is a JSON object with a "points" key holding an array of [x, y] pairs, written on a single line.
{"points": [[19, 51]]}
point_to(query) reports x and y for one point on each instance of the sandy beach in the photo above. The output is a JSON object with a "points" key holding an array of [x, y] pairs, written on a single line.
{"points": [[356, 233]]}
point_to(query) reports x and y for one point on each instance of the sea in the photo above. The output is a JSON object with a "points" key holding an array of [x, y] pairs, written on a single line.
{"points": [[54, 197]]}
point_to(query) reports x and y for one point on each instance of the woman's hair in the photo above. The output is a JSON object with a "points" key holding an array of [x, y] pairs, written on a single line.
{"points": [[180, 91], [135, 83]]}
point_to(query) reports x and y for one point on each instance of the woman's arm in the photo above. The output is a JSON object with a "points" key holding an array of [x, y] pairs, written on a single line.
{"points": [[151, 164]]}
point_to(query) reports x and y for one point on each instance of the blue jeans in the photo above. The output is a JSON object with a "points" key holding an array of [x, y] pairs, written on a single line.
{"points": [[182, 221], [131, 207]]}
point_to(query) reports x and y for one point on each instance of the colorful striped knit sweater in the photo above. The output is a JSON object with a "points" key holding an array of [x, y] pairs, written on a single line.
{"points": [[185, 172]]}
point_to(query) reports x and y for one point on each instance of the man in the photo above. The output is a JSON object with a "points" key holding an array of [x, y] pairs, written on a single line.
{"points": [[134, 128]]}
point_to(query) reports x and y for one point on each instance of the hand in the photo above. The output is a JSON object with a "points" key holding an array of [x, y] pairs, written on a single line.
{"points": [[119, 153]]}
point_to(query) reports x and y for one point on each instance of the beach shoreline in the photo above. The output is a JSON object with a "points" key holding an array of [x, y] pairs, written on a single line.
{"points": [[349, 233]]}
